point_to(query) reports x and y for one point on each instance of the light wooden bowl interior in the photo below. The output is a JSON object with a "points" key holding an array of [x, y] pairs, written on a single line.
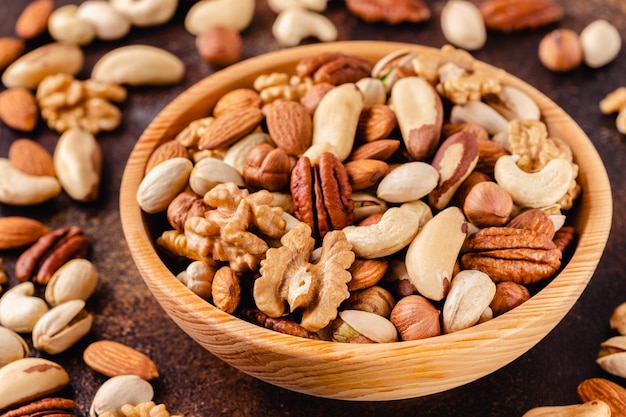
{"points": [[375, 371]]}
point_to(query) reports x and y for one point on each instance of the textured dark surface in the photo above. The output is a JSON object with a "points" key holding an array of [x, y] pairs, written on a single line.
{"points": [[192, 382]]}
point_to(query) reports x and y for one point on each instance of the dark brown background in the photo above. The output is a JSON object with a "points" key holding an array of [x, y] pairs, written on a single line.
{"points": [[195, 383]]}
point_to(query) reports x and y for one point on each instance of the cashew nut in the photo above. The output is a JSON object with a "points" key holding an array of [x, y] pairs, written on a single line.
{"points": [[278, 6], [20, 189], [396, 229], [107, 21], [65, 25], [616, 102], [139, 65], [235, 14], [20, 309], [335, 121], [534, 189], [294, 25], [146, 12]]}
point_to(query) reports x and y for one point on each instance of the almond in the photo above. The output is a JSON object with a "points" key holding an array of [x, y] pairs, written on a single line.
{"points": [[10, 50], [534, 219], [381, 149], [113, 359], [31, 158], [230, 127], [375, 122], [290, 126], [18, 109], [165, 151], [33, 20], [236, 99], [365, 173], [18, 231], [603, 389], [366, 273]]}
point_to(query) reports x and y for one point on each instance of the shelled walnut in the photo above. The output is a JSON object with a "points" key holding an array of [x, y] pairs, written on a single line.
{"points": [[66, 102]]}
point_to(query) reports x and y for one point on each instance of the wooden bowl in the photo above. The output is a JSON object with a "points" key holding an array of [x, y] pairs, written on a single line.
{"points": [[373, 371]]}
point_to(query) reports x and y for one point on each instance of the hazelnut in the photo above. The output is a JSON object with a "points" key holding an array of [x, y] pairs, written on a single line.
{"points": [[415, 318], [219, 45], [487, 204], [561, 50], [508, 295], [267, 167]]}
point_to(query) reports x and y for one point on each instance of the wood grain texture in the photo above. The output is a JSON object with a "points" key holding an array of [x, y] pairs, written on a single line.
{"points": [[364, 372]]}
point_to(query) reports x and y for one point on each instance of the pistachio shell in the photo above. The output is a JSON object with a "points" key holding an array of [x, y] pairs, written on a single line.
{"points": [[470, 294], [370, 325], [12, 346], [118, 391], [612, 357], [61, 327], [76, 280]]}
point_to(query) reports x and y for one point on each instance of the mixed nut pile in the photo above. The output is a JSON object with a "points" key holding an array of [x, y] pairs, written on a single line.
{"points": [[313, 203], [352, 201]]}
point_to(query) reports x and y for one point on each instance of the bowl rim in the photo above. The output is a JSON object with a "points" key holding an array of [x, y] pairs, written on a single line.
{"points": [[555, 299]]}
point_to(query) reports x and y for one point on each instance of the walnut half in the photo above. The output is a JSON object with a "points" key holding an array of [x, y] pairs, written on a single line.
{"points": [[316, 289]]}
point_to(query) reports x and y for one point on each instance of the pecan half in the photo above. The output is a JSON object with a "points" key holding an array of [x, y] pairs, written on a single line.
{"points": [[53, 406], [389, 11], [512, 15], [50, 252], [322, 194], [511, 254]]}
